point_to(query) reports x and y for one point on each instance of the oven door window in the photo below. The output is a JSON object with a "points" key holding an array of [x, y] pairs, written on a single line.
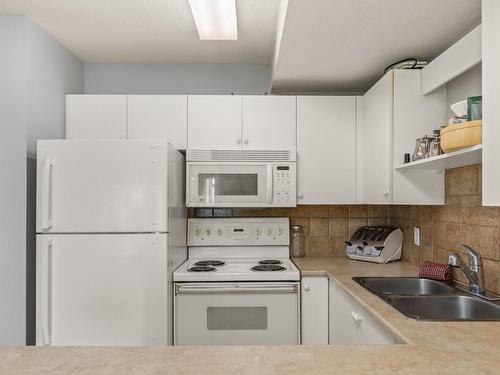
{"points": [[237, 318]]}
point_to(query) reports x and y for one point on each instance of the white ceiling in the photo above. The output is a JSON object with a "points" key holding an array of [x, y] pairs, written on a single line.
{"points": [[344, 45], [149, 31]]}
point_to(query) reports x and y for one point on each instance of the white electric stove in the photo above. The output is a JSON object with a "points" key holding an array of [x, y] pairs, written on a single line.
{"points": [[238, 286]]}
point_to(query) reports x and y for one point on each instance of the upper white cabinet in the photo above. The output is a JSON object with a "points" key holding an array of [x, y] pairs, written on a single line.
{"points": [[377, 125], [269, 122], [415, 115], [233, 122], [214, 122], [491, 100], [395, 115], [158, 116], [314, 314], [96, 116], [326, 147]]}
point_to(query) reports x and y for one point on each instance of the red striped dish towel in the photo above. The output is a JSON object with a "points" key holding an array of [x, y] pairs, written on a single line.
{"points": [[436, 271]]}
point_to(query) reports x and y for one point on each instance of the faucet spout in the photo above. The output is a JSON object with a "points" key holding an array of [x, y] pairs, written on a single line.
{"points": [[473, 271]]}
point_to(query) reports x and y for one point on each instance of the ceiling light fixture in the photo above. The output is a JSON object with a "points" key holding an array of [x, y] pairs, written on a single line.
{"points": [[215, 19]]}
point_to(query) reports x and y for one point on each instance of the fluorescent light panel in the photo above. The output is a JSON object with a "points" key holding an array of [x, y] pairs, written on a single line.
{"points": [[215, 19]]}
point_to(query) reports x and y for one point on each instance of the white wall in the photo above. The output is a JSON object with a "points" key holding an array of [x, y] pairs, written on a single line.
{"points": [[13, 179], [35, 73], [177, 78], [52, 72], [465, 85]]}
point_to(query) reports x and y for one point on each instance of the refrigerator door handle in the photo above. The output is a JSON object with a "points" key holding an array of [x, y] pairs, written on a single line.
{"points": [[46, 295], [46, 187]]}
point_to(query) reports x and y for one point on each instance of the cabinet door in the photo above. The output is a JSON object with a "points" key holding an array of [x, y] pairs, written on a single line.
{"points": [[314, 310], [344, 328], [269, 122], [214, 122], [96, 116], [414, 116], [377, 117], [491, 99], [326, 145], [352, 325], [158, 116]]}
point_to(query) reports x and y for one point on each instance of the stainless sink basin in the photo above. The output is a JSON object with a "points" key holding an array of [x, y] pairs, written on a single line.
{"points": [[445, 307], [430, 299], [383, 286]]}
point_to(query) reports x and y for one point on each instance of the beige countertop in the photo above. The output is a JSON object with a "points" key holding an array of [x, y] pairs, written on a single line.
{"points": [[432, 347]]}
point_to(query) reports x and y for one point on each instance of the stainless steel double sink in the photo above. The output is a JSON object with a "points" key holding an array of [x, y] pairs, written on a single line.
{"points": [[425, 299]]}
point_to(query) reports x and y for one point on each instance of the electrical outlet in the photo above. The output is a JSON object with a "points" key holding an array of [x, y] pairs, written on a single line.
{"points": [[416, 236]]}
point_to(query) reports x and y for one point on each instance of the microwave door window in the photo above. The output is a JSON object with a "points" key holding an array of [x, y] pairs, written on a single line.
{"points": [[227, 184]]}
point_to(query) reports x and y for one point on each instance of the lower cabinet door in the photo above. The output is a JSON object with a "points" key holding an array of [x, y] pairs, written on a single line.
{"points": [[344, 328], [351, 324], [314, 308]]}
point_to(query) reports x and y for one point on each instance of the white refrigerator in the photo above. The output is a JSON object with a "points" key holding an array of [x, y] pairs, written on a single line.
{"points": [[111, 224]]}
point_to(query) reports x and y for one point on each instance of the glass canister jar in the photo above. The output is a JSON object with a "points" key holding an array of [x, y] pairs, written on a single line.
{"points": [[297, 241]]}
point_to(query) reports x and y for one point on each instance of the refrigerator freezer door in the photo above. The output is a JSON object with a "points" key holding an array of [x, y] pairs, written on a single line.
{"points": [[103, 290], [105, 186]]}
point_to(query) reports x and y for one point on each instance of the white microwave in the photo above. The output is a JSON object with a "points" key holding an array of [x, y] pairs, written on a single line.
{"points": [[241, 184]]}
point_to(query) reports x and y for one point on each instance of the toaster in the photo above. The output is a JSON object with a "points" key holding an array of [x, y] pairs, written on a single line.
{"points": [[377, 244]]}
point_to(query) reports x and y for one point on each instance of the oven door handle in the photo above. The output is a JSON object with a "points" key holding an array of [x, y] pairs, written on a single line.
{"points": [[235, 289]]}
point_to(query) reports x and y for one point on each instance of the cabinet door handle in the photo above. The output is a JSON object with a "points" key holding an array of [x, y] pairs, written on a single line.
{"points": [[300, 196], [245, 141], [238, 141], [358, 318], [306, 288], [385, 194]]}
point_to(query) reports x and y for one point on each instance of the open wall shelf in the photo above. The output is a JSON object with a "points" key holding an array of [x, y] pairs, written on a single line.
{"points": [[460, 158]]}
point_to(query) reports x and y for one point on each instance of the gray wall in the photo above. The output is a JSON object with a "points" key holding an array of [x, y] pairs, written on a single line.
{"points": [[52, 72], [177, 78], [13, 65], [35, 73], [465, 85]]}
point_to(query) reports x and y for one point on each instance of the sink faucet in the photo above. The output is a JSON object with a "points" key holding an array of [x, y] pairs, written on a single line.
{"points": [[474, 271]]}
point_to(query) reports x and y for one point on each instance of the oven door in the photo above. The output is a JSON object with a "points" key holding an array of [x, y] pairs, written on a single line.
{"points": [[236, 314], [229, 184]]}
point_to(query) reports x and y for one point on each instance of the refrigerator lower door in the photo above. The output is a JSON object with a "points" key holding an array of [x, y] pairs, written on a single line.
{"points": [[105, 186], [103, 290]]}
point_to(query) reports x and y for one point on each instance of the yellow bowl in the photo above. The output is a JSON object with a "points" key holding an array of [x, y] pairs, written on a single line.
{"points": [[456, 137]]}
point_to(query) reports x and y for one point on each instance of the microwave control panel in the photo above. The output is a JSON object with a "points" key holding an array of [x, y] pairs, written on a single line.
{"points": [[284, 183]]}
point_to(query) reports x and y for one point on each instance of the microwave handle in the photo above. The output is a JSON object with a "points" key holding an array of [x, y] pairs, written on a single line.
{"points": [[269, 183]]}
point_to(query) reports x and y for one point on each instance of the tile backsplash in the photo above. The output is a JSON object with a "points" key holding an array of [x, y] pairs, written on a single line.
{"points": [[461, 220], [326, 228]]}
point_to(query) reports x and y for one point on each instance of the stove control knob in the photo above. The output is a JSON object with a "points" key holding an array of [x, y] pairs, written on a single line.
{"points": [[207, 232], [219, 232], [258, 232], [197, 232], [280, 231], [269, 231]]}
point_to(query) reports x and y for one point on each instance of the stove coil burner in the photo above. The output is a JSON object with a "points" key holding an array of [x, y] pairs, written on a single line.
{"points": [[210, 263], [268, 267], [270, 261], [202, 269]]}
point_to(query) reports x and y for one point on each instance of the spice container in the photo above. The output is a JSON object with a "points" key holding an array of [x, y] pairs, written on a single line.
{"points": [[297, 241]]}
